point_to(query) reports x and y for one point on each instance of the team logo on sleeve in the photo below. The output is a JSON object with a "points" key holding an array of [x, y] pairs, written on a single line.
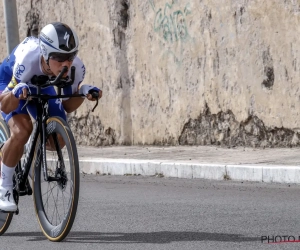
{"points": [[13, 82], [19, 70]]}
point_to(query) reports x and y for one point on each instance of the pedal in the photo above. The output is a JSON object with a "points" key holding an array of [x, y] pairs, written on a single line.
{"points": [[27, 190], [23, 192]]}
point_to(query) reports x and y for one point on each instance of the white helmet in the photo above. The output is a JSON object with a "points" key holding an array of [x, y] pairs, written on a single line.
{"points": [[58, 38]]}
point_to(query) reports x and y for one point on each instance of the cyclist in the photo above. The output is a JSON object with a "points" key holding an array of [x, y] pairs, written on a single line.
{"points": [[56, 47]]}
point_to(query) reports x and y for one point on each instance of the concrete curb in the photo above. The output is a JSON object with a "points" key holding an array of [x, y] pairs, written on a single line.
{"points": [[257, 173]]}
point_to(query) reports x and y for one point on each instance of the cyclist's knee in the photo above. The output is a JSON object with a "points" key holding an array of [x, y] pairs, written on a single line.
{"points": [[20, 128], [50, 145]]}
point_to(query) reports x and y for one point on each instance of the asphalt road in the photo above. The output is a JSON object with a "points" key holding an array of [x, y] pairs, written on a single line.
{"points": [[130, 212]]}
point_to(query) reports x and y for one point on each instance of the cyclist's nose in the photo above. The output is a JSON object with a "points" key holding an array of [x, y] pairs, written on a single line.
{"points": [[66, 64]]}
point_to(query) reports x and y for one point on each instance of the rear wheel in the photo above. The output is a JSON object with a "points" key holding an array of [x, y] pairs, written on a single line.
{"points": [[5, 218], [56, 200]]}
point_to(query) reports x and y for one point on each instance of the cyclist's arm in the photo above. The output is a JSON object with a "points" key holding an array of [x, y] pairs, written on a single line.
{"points": [[72, 104], [21, 72]]}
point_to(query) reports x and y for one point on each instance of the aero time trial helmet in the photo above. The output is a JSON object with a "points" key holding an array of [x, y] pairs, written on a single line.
{"points": [[58, 38]]}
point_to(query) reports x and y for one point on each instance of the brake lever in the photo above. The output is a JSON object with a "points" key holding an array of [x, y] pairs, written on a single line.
{"points": [[95, 105], [95, 95]]}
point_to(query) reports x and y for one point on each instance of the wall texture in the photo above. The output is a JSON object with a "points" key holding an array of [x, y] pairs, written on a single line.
{"points": [[182, 72]]}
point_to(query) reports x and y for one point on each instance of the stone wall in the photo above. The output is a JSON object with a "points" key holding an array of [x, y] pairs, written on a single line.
{"points": [[182, 72]]}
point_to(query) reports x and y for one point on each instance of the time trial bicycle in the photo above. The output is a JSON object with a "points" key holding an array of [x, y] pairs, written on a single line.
{"points": [[55, 173]]}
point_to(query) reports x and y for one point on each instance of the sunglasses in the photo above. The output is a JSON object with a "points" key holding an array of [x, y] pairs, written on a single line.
{"points": [[60, 57]]}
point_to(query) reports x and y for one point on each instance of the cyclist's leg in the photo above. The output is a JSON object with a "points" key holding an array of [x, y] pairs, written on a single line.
{"points": [[20, 126], [18, 121], [4, 80], [56, 109]]}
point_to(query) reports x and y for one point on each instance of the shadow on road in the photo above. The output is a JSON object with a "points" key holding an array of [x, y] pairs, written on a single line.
{"points": [[162, 237]]}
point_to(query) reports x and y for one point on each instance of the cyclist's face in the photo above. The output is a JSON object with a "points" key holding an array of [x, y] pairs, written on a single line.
{"points": [[56, 67]]}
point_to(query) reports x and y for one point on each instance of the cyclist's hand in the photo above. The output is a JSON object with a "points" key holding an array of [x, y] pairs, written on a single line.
{"points": [[90, 97], [21, 90], [88, 89]]}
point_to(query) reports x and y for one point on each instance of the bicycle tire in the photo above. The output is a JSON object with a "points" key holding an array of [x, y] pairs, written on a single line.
{"points": [[52, 229], [5, 218]]}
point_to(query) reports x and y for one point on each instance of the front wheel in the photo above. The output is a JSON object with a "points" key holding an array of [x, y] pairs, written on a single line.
{"points": [[56, 200]]}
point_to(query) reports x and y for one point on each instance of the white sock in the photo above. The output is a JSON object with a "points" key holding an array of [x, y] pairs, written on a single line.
{"points": [[7, 174]]}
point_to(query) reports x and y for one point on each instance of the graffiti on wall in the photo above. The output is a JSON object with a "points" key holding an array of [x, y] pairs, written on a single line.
{"points": [[170, 21], [171, 25]]}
